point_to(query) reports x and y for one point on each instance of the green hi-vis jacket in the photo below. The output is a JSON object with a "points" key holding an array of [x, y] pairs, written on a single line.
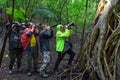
{"points": [[60, 38]]}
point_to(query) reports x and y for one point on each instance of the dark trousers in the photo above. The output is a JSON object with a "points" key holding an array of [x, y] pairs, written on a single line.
{"points": [[32, 56], [15, 54], [61, 56]]}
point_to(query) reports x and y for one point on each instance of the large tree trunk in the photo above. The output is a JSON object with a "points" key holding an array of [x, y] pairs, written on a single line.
{"points": [[7, 34], [100, 50]]}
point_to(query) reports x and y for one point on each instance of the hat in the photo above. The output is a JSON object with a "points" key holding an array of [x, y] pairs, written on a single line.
{"points": [[15, 25]]}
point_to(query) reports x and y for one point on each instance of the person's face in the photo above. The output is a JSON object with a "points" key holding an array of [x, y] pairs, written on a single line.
{"points": [[16, 28], [71, 27], [62, 29], [22, 28], [30, 25], [45, 28]]}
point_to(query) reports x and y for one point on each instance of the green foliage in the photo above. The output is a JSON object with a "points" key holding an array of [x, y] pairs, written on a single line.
{"points": [[50, 11], [79, 7], [19, 14], [2, 3]]}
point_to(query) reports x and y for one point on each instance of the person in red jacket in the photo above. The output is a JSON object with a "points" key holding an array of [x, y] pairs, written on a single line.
{"points": [[29, 41]]}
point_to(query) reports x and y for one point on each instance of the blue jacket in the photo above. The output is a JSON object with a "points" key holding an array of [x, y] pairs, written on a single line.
{"points": [[44, 39]]}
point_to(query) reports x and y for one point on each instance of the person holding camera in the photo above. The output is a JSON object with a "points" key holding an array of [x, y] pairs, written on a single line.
{"points": [[15, 48], [61, 35], [45, 34], [29, 40]]}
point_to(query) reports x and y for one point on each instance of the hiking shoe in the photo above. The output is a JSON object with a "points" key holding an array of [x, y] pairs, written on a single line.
{"points": [[10, 72], [29, 74], [44, 74], [48, 71]]}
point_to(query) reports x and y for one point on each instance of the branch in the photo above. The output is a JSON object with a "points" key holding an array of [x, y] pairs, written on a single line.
{"points": [[115, 62], [7, 34], [116, 32]]}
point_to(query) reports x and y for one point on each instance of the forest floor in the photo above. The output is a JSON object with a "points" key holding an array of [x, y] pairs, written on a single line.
{"points": [[22, 75]]}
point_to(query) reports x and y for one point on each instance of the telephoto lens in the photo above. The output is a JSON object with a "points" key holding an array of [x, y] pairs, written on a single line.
{"points": [[54, 25], [70, 24]]}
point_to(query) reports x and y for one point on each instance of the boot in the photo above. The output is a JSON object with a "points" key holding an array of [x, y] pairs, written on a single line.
{"points": [[43, 74], [10, 72], [29, 73]]}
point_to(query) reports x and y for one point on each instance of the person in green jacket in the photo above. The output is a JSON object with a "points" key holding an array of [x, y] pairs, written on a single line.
{"points": [[61, 34]]}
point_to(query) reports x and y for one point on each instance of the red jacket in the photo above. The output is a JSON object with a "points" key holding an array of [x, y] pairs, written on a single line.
{"points": [[25, 40]]}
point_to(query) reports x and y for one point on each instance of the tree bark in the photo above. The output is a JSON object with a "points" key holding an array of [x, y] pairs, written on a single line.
{"points": [[7, 34], [102, 42]]}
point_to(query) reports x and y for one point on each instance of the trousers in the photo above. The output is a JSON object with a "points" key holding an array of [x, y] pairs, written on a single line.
{"points": [[46, 60], [61, 56]]}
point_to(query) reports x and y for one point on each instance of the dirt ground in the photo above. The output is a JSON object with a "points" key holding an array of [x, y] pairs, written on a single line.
{"points": [[22, 75], [35, 76]]}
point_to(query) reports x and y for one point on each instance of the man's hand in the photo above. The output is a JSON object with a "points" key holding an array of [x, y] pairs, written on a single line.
{"points": [[48, 27], [33, 26]]}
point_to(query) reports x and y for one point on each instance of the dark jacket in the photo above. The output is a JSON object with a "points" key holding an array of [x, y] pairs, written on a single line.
{"points": [[44, 39], [14, 40], [67, 46]]}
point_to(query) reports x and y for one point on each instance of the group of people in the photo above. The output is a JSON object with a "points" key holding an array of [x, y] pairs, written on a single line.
{"points": [[27, 38]]}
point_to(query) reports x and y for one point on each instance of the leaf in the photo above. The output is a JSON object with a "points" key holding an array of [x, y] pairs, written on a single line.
{"points": [[22, 10], [9, 10], [2, 2], [19, 14]]}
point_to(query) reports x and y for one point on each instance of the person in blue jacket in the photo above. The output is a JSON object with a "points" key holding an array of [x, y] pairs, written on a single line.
{"points": [[45, 34]]}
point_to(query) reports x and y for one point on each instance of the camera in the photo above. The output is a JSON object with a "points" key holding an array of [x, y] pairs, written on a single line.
{"points": [[70, 25], [67, 26], [54, 25]]}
